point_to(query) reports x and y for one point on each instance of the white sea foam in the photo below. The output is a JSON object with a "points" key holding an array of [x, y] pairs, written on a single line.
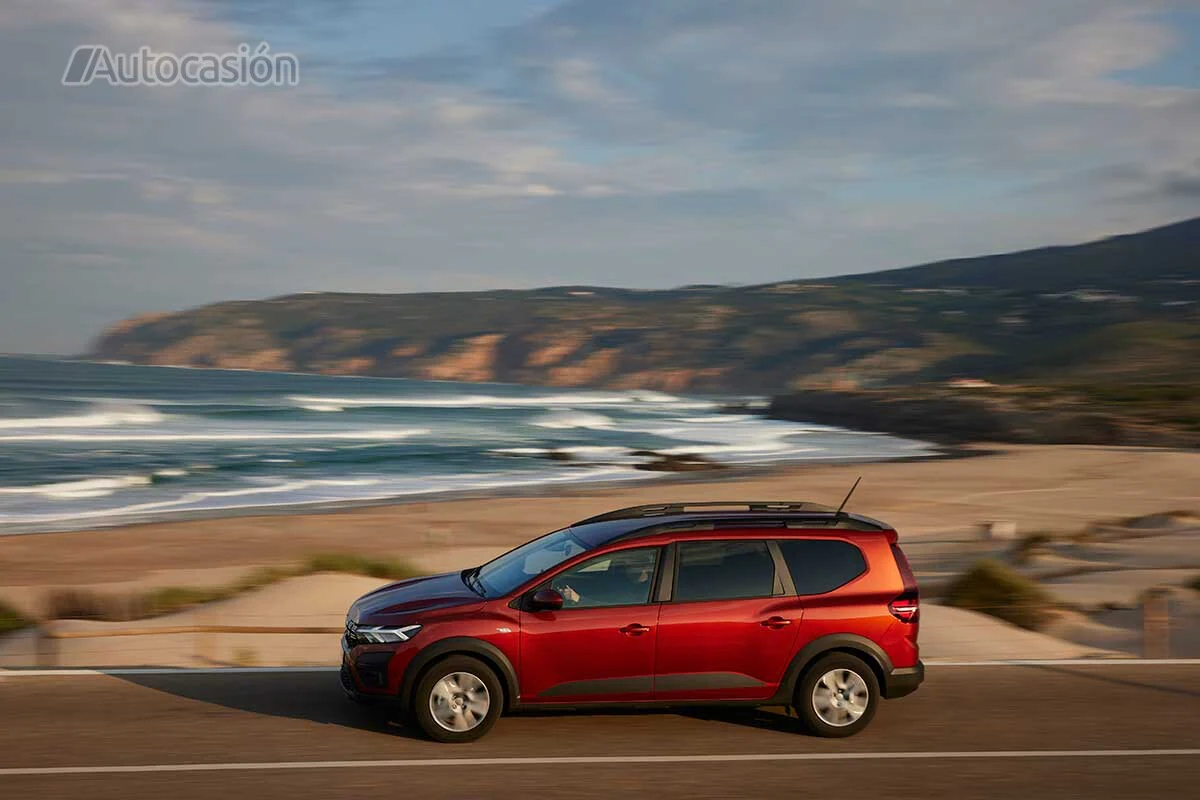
{"points": [[584, 452], [100, 417], [81, 489], [300, 493], [572, 399], [574, 419], [746, 448], [387, 434], [330, 407]]}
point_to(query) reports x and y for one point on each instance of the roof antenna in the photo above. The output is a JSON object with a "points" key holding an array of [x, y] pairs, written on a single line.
{"points": [[838, 515]]}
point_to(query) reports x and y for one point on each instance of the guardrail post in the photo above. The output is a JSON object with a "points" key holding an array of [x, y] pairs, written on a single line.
{"points": [[206, 641], [46, 646], [1156, 623], [204, 647]]}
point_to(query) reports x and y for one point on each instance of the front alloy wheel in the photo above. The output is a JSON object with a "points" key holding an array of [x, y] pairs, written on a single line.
{"points": [[459, 702], [458, 699]]}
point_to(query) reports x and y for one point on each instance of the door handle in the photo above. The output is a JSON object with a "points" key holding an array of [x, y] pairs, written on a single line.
{"points": [[775, 623], [634, 629]]}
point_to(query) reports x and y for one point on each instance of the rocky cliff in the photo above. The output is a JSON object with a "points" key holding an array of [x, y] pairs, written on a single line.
{"points": [[1120, 310]]}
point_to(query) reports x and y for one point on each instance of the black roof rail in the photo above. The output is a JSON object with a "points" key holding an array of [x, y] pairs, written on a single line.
{"points": [[709, 507]]}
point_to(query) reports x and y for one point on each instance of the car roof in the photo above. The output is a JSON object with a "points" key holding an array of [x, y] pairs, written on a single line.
{"points": [[639, 521]]}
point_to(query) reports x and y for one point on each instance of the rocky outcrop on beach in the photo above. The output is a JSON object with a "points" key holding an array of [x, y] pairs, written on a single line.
{"points": [[676, 462], [1019, 415]]}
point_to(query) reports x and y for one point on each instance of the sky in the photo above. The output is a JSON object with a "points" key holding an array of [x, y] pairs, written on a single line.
{"points": [[476, 144]]}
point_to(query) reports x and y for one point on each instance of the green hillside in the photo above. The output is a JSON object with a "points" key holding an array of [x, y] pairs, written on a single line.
{"points": [[1120, 310]]}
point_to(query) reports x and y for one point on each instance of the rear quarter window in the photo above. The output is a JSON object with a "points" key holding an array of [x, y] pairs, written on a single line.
{"points": [[821, 565]]}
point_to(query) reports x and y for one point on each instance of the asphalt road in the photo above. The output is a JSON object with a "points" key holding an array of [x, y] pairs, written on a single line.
{"points": [[970, 732]]}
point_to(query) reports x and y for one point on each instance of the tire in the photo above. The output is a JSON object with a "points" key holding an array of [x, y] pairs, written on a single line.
{"points": [[837, 696], [458, 699]]}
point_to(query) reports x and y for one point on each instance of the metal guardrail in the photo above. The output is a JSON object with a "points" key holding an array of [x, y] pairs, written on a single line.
{"points": [[1154, 607], [47, 650]]}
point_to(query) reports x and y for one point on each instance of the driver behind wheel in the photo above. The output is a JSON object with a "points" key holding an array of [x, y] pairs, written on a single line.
{"points": [[625, 580]]}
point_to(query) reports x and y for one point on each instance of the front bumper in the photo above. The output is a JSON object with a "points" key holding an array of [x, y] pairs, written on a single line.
{"points": [[364, 673], [347, 681], [903, 681]]}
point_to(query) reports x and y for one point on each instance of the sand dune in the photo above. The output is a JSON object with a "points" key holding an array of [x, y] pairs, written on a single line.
{"points": [[936, 505], [322, 600]]}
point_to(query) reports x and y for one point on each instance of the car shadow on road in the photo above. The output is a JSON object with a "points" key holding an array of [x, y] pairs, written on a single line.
{"points": [[761, 718], [309, 696], [316, 697]]}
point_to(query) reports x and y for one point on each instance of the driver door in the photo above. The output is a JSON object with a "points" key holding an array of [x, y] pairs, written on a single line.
{"points": [[599, 647]]}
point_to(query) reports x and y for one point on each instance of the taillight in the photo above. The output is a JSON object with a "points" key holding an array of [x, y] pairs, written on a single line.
{"points": [[906, 607]]}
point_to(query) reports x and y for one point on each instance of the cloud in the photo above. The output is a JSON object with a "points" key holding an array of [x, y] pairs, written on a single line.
{"points": [[638, 142], [1183, 185]]}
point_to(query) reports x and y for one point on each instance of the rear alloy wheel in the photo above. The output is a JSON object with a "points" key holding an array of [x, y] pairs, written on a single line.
{"points": [[458, 699], [837, 696]]}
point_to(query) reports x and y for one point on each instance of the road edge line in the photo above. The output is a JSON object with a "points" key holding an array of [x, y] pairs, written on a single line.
{"points": [[248, 766], [934, 663]]}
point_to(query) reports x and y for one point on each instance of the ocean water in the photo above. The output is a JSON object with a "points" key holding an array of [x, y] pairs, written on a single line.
{"points": [[86, 445]]}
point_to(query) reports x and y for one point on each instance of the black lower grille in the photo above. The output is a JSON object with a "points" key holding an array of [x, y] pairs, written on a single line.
{"points": [[347, 681], [371, 669]]}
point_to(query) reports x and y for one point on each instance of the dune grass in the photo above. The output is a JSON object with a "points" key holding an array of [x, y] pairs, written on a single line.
{"points": [[1195, 584], [88, 604], [992, 588], [357, 565], [1029, 546], [12, 620]]}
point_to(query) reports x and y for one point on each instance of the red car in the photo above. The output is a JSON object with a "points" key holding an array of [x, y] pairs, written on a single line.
{"points": [[789, 604]]}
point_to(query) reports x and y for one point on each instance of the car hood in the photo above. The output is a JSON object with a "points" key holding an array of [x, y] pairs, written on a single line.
{"points": [[418, 594]]}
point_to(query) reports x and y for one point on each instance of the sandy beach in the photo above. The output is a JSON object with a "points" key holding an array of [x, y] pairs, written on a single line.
{"points": [[937, 505], [1053, 488]]}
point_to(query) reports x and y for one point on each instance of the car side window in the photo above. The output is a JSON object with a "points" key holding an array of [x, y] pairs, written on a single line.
{"points": [[619, 578], [727, 570], [821, 565]]}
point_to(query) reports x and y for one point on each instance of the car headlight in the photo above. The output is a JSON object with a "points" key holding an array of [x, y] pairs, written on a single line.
{"points": [[386, 634]]}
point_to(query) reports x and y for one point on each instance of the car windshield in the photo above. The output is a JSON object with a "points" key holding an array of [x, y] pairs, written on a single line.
{"points": [[504, 574]]}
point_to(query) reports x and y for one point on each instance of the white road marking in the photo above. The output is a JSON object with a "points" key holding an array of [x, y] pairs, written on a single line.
{"points": [[1047, 662], [1071, 662], [67, 673], [552, 761]]}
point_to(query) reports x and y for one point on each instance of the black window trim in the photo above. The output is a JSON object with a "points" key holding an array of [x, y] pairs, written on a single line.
{"points": [[781, 568], [668, 560]]}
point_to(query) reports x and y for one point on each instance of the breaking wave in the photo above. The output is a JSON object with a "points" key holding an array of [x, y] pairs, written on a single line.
{"points": [[573, 399], [100, 417], [563, 420], [382, 435]]}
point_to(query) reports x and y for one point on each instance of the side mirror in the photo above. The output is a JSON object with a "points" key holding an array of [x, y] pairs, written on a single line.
{"points": [[546, 600]]}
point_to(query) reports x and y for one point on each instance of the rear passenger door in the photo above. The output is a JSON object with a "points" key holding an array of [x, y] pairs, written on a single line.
{"points": [[825, 573], [728, 628]]}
